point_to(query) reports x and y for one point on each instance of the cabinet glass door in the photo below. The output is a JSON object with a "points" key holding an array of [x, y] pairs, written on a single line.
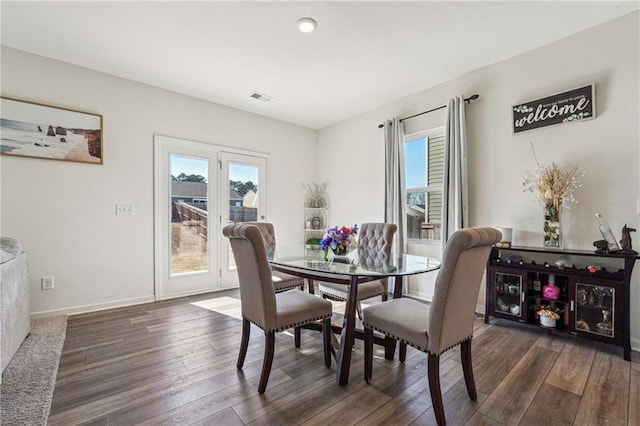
{"points": [[508, 294], [595, 307]]}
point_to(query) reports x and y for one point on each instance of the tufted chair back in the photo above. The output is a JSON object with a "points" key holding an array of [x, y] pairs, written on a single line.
{"points": [[268, 233], [376, 236], [457, 285], [257, 294], [374, 245]]}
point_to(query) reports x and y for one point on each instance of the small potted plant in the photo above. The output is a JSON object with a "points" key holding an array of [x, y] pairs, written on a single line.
{"points": [[548, 315], [313, 243]]}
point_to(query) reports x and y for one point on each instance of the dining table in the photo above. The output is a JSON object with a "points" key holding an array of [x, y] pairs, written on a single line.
{"points": [[359, 266]]}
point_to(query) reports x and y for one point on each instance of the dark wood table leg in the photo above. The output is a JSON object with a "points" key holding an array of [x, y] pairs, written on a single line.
{"points": [[311, 285], [389, 343], [348, 334], [397, 287]]}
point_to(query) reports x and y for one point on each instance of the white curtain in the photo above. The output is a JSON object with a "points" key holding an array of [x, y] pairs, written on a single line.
{"points": [[455, 214], [395, 204]]}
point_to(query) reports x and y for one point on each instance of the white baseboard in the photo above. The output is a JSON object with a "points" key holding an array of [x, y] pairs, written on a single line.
{"points": [[94, 307]]}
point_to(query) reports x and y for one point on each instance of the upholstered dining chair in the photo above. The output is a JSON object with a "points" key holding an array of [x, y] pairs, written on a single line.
{"points": [[372, 238], [444, 324], [281, 281], [262, 306]]}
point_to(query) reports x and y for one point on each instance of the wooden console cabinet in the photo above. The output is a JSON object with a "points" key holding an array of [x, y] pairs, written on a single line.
{"points": [[594, 301]]}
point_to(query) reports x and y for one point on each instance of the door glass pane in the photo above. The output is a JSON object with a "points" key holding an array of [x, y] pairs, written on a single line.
{"points": [[243, 198], [508, 291], [595, 309], [189, 207], [243, 193]]}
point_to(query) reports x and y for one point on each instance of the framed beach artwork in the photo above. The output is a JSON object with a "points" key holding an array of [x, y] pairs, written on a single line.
{"points": [[30, 129]]}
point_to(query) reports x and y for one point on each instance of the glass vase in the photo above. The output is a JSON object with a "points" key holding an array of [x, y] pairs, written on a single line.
{"points": [[552, 228], [340, 251], [332, 253]]}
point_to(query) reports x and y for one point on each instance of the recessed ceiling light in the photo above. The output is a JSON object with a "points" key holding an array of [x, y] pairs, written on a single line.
{"points": [[307, 25]]}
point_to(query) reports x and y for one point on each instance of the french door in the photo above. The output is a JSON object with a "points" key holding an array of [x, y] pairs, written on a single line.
{"points": [[245, 200], [198, 189]]}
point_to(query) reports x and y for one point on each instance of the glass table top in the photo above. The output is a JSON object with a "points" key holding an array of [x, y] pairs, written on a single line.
{"points": [[359, 262]]}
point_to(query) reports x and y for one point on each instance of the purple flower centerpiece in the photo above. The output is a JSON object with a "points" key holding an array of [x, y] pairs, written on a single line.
{"points": [[339, 240]]}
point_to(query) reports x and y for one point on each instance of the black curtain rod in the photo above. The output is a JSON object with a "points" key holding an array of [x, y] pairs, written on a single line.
{"points": [[467, 100]]}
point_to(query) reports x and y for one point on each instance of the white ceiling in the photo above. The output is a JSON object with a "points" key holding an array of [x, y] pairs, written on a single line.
{"points": [[363, 54]]}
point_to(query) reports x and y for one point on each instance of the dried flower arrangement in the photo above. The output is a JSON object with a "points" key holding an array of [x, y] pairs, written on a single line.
{"points": [[316, 195], [552, 185]]}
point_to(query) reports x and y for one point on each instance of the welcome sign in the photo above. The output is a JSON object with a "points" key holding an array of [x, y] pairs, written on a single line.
{"points": [[572, 105]]}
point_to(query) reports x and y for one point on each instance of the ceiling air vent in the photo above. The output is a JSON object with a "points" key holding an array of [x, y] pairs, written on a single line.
{"points": [[261, 97]]}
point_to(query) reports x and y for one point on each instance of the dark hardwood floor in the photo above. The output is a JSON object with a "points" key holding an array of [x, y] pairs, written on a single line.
{"points": [[174, 362]]}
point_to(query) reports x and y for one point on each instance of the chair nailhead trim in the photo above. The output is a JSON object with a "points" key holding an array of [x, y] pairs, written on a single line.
{"points": [[292, 287], [416, 346], [285, 327], [343, 299], [333, 295]]}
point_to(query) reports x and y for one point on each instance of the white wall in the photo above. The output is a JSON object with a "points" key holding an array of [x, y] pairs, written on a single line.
{"points": [[64, 213], [606, 148]]}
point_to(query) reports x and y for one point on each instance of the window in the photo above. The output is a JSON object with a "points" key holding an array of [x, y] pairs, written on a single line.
{"points": [[424, 173]]}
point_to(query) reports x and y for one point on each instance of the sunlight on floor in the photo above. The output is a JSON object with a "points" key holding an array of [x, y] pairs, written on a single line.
{"points": [[230, 306]]}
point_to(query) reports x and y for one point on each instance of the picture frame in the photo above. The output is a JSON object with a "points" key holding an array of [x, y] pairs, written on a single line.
{"points": [[32, 129]]}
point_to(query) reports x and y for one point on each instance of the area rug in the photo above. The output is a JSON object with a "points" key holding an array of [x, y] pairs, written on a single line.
{"points": [[29, 379]]}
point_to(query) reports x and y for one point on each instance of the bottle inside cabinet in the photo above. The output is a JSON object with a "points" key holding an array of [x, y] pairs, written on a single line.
{"points": [[550, 290], [557, 286], [595, 307]]}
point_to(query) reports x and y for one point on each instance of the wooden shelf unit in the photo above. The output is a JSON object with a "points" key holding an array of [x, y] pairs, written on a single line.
{"points": [[595, 303]]}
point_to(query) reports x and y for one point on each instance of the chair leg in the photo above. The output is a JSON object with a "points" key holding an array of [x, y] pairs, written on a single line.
{"points": [[296, 336], [467, 368], [269, 343], [244, 343], [434, 388], [389, 347], [326, 341], [368, 353], [402, 354]]}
